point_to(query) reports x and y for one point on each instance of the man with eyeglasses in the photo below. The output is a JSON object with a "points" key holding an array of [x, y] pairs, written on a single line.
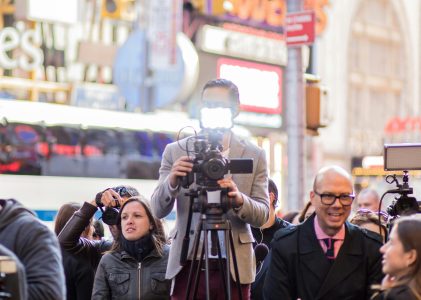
{"points": [[325, 257]]}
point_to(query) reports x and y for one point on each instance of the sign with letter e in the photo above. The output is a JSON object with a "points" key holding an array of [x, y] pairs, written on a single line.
{"points": [[300, 28]]}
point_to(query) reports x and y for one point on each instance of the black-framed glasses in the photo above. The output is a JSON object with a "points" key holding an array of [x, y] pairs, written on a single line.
{"points": [[329, 199]]}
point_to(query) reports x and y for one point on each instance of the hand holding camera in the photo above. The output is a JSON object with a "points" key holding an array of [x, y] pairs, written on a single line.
{"points": [[111, 199], [180, 168]]}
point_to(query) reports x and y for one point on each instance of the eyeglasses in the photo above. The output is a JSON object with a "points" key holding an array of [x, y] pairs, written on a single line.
{"points": [[329, 199]]}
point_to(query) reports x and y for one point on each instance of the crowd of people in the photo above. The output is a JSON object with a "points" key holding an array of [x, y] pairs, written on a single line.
{"points": [[320, 252]]}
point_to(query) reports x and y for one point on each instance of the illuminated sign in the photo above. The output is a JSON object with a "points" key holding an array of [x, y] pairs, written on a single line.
{"points": [[242, 45], [29, 58], [260, 85], [259, 13], [60, 11]]}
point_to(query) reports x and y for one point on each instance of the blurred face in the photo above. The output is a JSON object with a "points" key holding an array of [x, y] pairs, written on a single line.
{"points": [[216, 95], [395, 259], [134, 221], [331, 217], [368, 201]]}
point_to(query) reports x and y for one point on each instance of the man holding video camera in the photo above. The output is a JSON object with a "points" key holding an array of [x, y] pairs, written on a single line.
{"points": [[247, 193]]}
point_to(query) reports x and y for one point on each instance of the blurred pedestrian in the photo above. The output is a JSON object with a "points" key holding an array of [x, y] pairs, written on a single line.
{"points": [[36, 247], [370, 220], [77, 269], [369, 199]]}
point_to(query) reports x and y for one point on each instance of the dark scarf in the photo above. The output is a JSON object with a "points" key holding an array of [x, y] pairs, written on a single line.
{"points": [[138, 249]]}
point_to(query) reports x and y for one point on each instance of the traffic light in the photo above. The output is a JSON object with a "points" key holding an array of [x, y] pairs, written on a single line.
{"points": [[316, 105], [111, 9]]}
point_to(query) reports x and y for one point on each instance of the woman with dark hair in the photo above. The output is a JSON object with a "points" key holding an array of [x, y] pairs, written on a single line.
{"points": [[135, 266], [402, 261], [77, 269]]}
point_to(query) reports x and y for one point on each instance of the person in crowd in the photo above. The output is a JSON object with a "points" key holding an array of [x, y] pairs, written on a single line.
{"points": [[248, 193], [290, 216], [135, 266], [368, 199], [369, 220], [70, 236], [402, 261], [265, 233], [78, 271], [307, 211], [325, 257], [37, 249], [98, 233]]}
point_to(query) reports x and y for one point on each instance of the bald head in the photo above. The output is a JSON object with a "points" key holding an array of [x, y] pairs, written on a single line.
{"points": [[369, 199], [330, 172], [335, 183]]}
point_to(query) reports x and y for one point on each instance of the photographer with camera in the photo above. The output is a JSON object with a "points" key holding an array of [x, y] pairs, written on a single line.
{"points": [[108, 201], [247, 193]]}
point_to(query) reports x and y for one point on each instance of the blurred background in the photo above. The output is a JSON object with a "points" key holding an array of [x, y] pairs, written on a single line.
{"points": [[91, 91]]}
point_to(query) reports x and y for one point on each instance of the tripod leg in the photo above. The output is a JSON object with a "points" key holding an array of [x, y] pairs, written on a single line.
{"points": [[197, 276], [234, 259], [193, 262], [207, 264], [228, 271], [221, 265]]}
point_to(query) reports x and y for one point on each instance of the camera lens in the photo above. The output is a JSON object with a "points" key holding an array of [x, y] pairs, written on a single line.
{"points": [[214, 169]]}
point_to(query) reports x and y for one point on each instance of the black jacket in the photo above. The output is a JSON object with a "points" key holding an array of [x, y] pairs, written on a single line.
{"points": [[79, 276], [298, 267], [119, 276], [36, 247], [265, 236], [71, 241]]}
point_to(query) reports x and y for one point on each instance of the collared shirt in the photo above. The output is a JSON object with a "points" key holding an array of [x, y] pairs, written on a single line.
{"points": [[320, 234]]}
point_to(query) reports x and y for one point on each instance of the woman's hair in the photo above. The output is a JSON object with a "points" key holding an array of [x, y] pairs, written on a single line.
{"points": [[408, 231], [157, 232], [302, 216], [65, 212], [289, 217]]}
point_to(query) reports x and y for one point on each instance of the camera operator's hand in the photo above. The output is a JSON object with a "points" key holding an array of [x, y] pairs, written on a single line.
{"points": [[180, 168], [233, 191]]}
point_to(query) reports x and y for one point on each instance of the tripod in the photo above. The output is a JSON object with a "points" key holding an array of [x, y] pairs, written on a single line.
{"points": [[213, 224]]}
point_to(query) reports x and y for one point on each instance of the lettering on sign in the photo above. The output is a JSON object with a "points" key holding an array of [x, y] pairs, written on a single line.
{"points": [[31, 56]]}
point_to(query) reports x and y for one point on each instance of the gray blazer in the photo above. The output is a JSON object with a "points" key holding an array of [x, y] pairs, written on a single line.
{"points": [[255, 210]]}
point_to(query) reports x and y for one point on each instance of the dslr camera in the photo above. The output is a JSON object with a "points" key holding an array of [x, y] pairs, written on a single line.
{"points": [[209, 166], [109, 214]]}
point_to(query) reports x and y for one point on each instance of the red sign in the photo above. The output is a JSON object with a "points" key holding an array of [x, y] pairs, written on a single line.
{"points": [[300, 28]]}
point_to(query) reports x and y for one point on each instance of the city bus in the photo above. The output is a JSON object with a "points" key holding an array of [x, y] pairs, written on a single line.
{"points": [[51, 154]]}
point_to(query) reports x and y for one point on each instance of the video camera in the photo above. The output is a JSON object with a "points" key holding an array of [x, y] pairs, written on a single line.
{"points": [[209, 166], [109, 214], [402, 157]]}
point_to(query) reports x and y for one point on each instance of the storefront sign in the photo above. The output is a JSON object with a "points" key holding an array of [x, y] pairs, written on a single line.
{"points": [[29, 58], [242, 45], [256, 13]]}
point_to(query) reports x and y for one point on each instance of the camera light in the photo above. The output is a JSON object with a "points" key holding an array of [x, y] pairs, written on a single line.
{"points": [[218, 117]]}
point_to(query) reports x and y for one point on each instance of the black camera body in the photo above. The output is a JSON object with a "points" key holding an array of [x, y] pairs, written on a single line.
{"points": [[209, 166], [109, 214]]}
